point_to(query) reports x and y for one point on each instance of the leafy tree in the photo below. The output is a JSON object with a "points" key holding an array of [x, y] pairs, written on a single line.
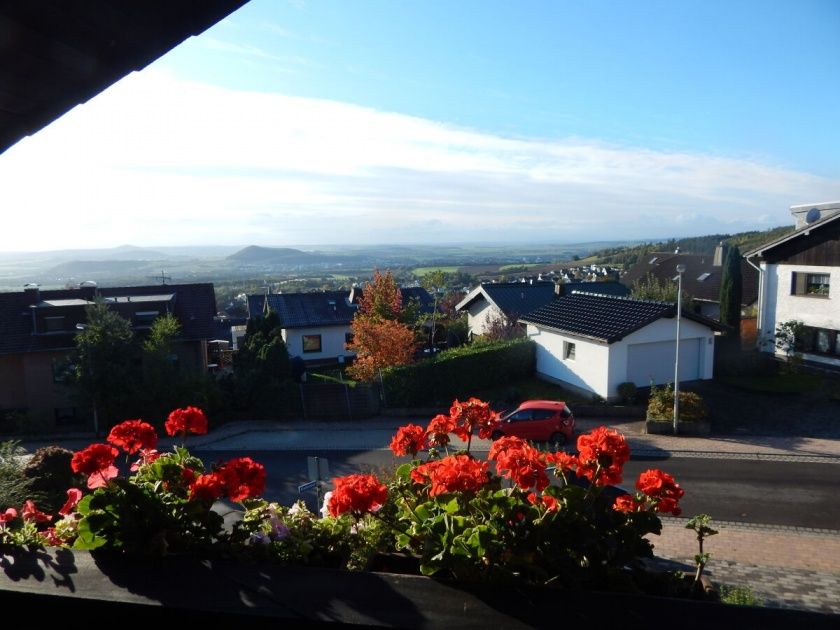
{"points": [[379, 344], [730, 295], [652, 288], [162, 380], [262, 364], [380, 338], [434, 282], [502, 327], [105, 373]]}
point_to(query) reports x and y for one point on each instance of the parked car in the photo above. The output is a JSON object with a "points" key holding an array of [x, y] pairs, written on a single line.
{"points": [[538, 421]]}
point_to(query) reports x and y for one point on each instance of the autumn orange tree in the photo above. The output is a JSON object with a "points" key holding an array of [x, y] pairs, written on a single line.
{"points": [[380, 339]]}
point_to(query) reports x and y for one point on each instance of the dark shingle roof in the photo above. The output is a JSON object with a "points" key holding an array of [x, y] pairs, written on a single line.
{"points": [[426, 301], [603, 317], [299, 310], [193, 304], [663, 266], [515, 298]]}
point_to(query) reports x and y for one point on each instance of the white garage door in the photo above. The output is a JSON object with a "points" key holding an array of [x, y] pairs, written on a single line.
{"points": [[646, 361]]}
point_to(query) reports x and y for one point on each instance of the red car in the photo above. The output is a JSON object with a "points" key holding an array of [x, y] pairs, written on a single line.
{"points": [[538, 421]]}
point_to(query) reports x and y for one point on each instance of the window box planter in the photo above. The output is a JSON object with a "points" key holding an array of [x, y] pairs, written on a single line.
{"points": [[57, 583]]}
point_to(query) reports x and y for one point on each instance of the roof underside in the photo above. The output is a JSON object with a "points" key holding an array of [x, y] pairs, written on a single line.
{"points": [[56, 54]]}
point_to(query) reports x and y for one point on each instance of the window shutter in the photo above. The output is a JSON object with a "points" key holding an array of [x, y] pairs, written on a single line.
{"points": [[799, 284]]}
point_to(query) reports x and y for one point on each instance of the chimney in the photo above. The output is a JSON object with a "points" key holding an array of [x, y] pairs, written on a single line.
{"points": [[33, 292], [720, 255], [559, 289]]}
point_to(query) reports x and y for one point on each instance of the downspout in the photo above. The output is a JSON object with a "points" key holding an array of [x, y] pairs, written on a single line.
{"points": [[759, 324]]}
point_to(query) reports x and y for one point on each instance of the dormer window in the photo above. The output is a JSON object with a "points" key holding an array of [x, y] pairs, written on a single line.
{"points": [[145, 318], [54, 323]]}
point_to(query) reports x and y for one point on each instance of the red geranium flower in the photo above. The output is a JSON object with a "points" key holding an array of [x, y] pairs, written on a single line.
{"points": [[439, 429], [563, 461], [133, 435], [627, 503], [74, 495], [32, 513], [208, 487], [470, 415], [456, 473], [147, 456], [520, 462], [663, 491], [549, 502], [357, 494], [602, 454], [9, 515], [408, 440], [96, 461], [187, 420], [243, 477]]}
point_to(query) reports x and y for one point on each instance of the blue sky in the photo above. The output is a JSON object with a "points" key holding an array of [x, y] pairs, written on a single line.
{"points": [[307, 122]]}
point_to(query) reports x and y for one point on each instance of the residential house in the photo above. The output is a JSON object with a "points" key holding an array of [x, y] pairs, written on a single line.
{"points": [[37, 330], [316, 326], [800, 281], [591, 342], [410, 295], [701, 279], [490, 301]]}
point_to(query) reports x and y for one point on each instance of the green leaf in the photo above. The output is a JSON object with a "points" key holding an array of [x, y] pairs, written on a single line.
{"points": [[88, 539], [452, 506], [404, 472], [429, 569]]}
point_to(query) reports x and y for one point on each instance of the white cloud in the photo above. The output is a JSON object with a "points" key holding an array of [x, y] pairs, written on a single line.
{"points": [[158, 160]]}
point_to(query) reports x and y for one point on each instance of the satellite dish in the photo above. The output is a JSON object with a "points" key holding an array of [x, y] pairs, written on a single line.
{"points": [[813, 215]]}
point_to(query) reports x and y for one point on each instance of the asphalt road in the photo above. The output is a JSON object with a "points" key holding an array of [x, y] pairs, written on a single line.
{"points": [[748, 491]]}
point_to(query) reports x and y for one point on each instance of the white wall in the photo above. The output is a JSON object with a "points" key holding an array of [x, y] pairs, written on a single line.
{"points": [[479, 315], [599, 368], [588, 370], [815, 311], [332, 342]]}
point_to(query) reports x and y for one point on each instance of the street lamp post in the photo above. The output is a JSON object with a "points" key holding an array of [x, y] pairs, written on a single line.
{"points": [[680, 271]]}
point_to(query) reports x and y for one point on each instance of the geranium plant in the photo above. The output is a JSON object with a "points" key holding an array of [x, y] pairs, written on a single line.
{"points": [[500, 519]]}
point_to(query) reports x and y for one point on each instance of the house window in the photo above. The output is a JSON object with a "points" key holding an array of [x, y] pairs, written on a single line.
{"points": [[810, 284], [348, 340], [312, 343], [145, 318], [60, 369], [568, 350], [54, 324]]}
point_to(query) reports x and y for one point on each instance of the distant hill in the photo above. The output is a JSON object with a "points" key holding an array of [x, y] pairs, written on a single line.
{"points": [[704, 245], [256, 255], [96, 267]]}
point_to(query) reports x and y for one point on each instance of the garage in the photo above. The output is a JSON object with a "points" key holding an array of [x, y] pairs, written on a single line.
{"points": [[654, 361]]}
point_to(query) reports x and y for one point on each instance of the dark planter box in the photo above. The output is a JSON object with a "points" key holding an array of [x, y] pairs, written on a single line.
{"points": [[64, 584], [685, 428]]}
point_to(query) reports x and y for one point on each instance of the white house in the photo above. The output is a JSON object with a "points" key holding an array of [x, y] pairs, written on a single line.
{"points": [[592, 342], [316, 326], [492, 301], [799, 281]]}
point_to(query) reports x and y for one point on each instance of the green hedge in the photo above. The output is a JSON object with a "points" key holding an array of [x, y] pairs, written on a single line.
{"points": [[459, 373]]}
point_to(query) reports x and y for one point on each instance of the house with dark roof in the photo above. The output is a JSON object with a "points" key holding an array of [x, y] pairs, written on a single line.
{"points": [[592, 342], [701, 279], [490, 301], [800, 281], [38, 328], [418, 295], [316, 326]]}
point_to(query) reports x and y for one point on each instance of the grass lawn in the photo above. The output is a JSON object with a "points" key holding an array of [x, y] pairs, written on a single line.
{"points": [[422, 271], [776, 384]]}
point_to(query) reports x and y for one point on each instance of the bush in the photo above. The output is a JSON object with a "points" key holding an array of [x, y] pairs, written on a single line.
{"points": [[628, 392], [14, 486], [739, 596], [661, 405], [49, 474], [458, 372]]}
